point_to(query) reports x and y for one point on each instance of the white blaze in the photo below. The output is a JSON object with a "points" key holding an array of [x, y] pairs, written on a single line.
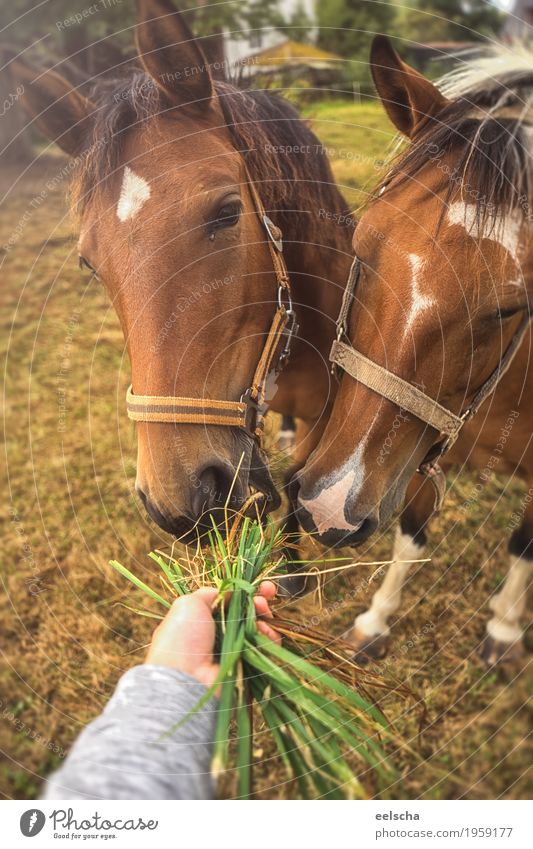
{"points": [[133, 194], [504, 231], [327, 509], [419, 301]]}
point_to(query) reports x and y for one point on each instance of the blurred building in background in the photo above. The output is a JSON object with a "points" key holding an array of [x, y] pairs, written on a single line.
{"points": [[245, 45], [311, 49]]}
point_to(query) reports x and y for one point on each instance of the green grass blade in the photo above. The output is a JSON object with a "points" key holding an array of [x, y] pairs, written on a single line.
{"points": [[138, 583], [244, 738], [173, 579], [321, 678]]}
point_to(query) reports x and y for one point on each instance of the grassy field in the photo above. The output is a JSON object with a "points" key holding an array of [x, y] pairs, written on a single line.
{"points": [[69, 507]]}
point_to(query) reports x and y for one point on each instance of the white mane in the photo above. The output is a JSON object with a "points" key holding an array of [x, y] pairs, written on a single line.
{"points": [[493, 73]]}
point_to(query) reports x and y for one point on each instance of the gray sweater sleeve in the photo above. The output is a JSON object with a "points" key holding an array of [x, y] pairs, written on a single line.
{"points": [[126, 753]]}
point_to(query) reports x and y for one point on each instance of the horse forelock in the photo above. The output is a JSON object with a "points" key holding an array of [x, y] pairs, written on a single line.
{"points": [[486, 132], [284, 157]]}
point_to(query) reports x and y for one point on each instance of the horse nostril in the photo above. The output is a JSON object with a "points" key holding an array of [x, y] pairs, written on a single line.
{"points": [[212, 491], [293, 488], [142, 496], [175, 525]]}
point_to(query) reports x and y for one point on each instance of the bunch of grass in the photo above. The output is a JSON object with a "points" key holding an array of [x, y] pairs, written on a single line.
{"points": [[311, 696]]}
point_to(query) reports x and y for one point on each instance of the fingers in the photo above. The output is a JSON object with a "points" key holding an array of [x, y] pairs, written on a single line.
{"points": [[186, 637], [268, 590], [187, 606], [191, 610], [261, 607], [261, 604], [207, 594], [264, 628]]}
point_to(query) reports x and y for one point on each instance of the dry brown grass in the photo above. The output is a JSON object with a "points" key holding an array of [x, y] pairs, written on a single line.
{"points": [[69, 507]]}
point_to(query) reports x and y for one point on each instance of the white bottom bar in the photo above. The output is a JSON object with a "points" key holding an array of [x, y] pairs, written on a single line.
{"points": [[306, 825]]}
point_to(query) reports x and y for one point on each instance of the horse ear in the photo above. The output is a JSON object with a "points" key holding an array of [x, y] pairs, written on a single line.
{"points": [[409, 98], [171, 55], [61, 112]]}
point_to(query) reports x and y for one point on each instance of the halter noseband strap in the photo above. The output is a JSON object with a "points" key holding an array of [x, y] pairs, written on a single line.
{"points": [[395, 389], [249, 412], [407, 396]]}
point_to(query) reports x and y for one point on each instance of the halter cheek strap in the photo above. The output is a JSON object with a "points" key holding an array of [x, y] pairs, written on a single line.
{"points": [[407, 396], [248, 413], [395, 389]]}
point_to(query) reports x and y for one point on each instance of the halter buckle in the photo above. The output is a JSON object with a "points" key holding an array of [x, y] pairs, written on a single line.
{"points": [[341, 331], [273, 232], [254, 411]]}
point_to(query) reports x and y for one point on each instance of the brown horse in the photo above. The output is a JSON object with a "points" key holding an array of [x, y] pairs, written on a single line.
{"points": [[164, 158], [442, 300]]}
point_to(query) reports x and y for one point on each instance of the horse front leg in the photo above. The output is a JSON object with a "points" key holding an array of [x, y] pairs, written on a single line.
{"points": [[504, 638], [370, 632]]}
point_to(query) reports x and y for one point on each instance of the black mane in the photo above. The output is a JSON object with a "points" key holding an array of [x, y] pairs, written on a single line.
{"points": [[489, 145]]}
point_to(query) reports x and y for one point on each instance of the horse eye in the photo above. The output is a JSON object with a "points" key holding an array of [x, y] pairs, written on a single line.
{"points": [[84, 263], [502, 313], [227, 216]]}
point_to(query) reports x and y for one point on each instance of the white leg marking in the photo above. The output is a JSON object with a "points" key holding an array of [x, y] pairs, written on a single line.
{"points": [[327, 509], [134, 193], [387, 599], [505, 230], [509, 603]]}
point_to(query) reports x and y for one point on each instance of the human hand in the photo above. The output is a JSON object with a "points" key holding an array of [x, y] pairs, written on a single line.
{"points": [[185, 639]]}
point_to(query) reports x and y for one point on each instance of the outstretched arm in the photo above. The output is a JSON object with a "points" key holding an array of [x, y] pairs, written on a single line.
{"points": [[136, 749]]}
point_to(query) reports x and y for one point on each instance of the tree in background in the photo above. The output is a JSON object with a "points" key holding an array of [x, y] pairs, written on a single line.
{"points": [[98, 36], [92, 37], [82, 39], [449, 20], [299, 26], [346, 27], [236, 17], [15, 145]]}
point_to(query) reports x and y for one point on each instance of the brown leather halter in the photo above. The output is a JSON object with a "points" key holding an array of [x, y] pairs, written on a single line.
{"points": [[249, 411], [408, 397]]}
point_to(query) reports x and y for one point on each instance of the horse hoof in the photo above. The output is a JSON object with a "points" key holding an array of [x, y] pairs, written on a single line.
{"points": [[367, 648], [495, 652], [294, 585]]}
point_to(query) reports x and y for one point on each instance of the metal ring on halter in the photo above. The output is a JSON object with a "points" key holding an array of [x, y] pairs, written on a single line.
{"points": [[292, 327], [289, 333], [284, 292]]}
